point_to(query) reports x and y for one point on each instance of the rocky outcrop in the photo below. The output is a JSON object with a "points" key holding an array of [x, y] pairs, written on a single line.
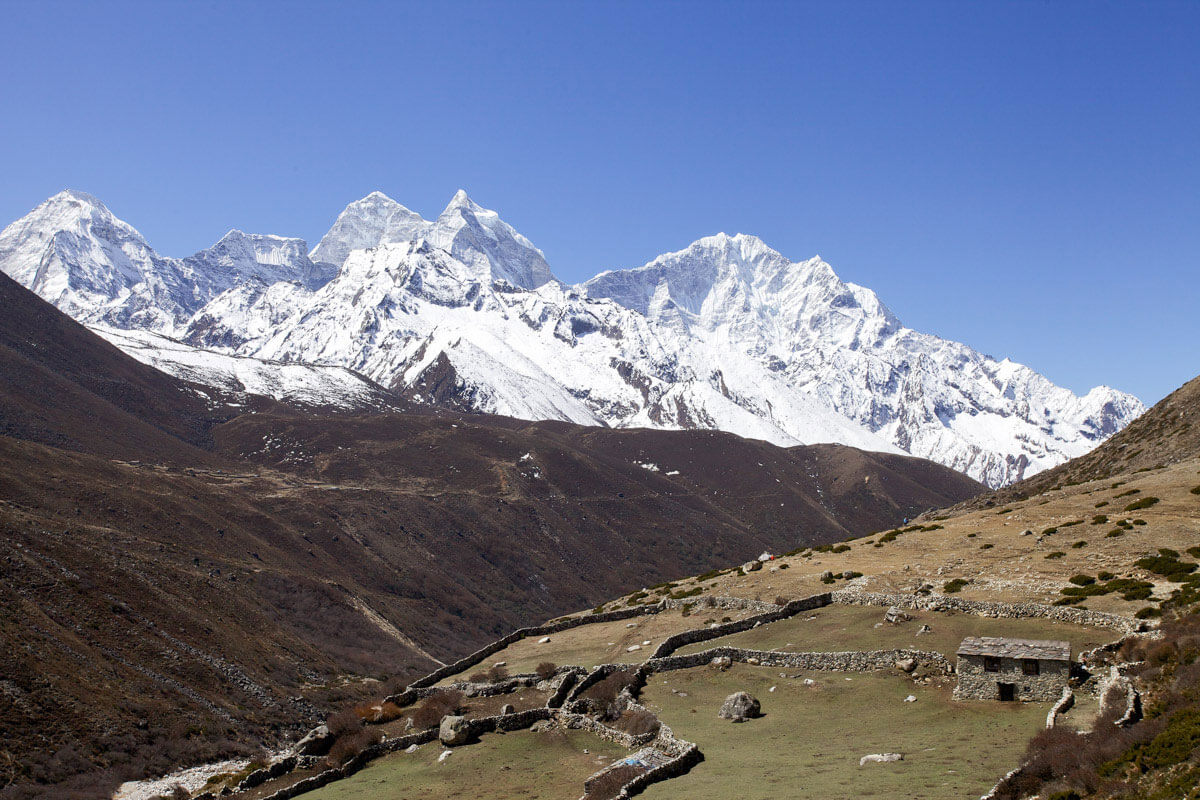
{"points": [[739, 707]]}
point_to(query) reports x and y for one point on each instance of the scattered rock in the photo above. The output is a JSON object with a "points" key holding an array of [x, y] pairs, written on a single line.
{"points": [[752, 661], [896, 615], [507, 708], [751, 566], [912, 698], [412, 748], [880, 758], [827, 575], [739, 707], [721, 662], [809, 682], [454, 730], [445, 754], [646, 643], [633, 648], [773, 688], [1027, 532], [906, 664], [541, 726], [544, 640], [500, 664], [631, 625], [923, 630], [315, 743]]}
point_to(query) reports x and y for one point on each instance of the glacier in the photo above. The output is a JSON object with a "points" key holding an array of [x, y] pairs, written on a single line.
{"points": [[463, 311]]}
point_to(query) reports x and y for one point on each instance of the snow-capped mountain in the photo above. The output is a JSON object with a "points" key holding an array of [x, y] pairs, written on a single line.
{"points": [[73, 252], [726, 334]]}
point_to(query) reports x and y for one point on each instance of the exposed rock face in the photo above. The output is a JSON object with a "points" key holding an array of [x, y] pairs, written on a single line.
{"points": [[739, 707], [721, 662], [454, 731]]}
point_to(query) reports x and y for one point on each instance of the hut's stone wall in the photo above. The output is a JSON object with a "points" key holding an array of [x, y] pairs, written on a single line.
{"points": [[977, 683]]}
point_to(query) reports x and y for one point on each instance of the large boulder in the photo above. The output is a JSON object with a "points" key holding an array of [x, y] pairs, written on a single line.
{"points": [[454, 730], [315, 743], [721, 662], [751, 566], [739, 707]]}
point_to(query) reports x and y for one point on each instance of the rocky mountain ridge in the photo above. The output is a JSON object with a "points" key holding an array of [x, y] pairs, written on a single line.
{"points": [[463, 311]]}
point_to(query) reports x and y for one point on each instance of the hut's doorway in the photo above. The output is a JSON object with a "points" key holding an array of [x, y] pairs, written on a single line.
{"points": [[1008, 691]]}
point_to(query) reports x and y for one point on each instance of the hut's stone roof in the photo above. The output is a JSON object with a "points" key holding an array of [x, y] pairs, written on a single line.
{"points": [[1005, 647]]}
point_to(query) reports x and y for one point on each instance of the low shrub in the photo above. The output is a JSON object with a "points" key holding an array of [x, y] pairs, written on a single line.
{"points": [[1079, 544], [1102, 504], [637, 721], [1170, 567], [1099, 519], [348, 746], [841, 548], [1055, 554], [952, 586], [1049, 531], [1196, 490], [1105, 575], [1130, 493], [850, 575], [436, 706], [545, 669], [986, 546], [1138, 505], [1082, 580]]}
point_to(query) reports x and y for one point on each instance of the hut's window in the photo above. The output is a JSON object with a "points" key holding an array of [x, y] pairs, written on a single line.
{"points": [[991, 664], [1030, 666]]}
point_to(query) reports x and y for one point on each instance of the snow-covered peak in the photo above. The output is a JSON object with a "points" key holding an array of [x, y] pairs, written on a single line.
{"points": [[242, 256], [71, 243], [374, 220], [491, 247]]}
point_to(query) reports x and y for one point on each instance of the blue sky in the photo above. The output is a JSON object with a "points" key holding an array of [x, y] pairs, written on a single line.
{"points": [[1023, 177]]}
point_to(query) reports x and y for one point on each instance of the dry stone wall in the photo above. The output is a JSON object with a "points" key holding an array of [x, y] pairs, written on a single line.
{"points": [[673, 643], [941, 602], [852, 661]]}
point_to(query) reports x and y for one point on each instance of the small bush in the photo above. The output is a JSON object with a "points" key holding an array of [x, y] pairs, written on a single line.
{"points": [[1194, 552], [545, 669], [342, 723], [850, 575], [1049, 531], [1055, 554], [1105, 576], [348, 746], [1102, 504], [952, 586], [1114, 533], [780, 600], [1079, 544], [1130, 493], [841, 548], [1138, 505], [783, 566], [1082, 580], [1099, 519], [636, 722], [1168, 566], [436, 706], [1149, 612], [1196, 490], [986, 546]]}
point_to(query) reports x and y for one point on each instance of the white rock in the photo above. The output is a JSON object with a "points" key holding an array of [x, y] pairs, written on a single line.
{"points": [[646, 643], [880, 758], [772, 689], [412, 748], [912, 698], [544, 640], [633, 648], [445, 754]]}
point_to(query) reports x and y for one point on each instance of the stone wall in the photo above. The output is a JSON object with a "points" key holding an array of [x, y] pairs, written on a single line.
{"points": [[942, 602], [1063, 705], [851, 661], [678, 640], [479, 655], [976, 683]]}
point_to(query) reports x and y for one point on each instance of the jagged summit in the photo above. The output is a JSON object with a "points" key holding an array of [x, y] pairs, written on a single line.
{"points": [[726, 333]]}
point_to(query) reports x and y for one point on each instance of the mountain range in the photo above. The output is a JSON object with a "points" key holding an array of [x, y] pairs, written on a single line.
{"points": [[464, 312]]}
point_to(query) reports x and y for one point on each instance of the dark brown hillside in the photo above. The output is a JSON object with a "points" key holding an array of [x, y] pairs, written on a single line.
{"points": [[178, 582], [62, 386]]}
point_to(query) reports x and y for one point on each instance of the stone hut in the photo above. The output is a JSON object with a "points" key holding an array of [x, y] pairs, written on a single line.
{"points": [[999, 668]]}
